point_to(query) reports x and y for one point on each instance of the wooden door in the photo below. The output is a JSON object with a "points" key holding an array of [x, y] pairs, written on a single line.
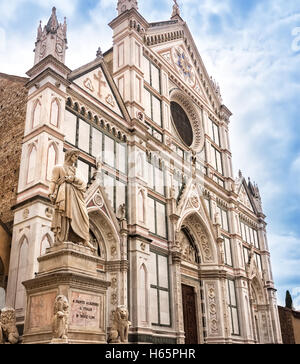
{"points": [[189, 314]]}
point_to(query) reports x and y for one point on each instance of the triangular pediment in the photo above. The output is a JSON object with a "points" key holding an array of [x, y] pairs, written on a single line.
{"points": [[94, 80], [192, 200], [97, 199], [244, 197], [177, 56], [173, 42]]}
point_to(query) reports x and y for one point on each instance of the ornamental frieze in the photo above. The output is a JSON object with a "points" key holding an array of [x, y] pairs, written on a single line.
{"points": [[213, 319]]}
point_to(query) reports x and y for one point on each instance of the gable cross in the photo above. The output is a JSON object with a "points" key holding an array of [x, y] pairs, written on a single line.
{"points": [[100, 83]]}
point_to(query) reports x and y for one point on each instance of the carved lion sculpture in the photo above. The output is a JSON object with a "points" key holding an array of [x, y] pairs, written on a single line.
{"points": [[120, 326], [60, 319], [8, 330]]}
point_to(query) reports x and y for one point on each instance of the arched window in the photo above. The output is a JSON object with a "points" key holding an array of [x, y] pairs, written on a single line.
{"points": [[140, 165], [51, 160], [46, 243], [36, 115], [143, 293], [54, 113], [21, 273], [32, 158], [141, 206]]}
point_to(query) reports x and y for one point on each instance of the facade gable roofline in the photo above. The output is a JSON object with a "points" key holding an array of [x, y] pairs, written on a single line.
{"points": [[168, 31], [243, 183], [91, 66]]}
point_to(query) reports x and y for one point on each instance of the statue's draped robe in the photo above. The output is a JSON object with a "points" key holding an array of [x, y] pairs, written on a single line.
{"points": [[70, 207]]}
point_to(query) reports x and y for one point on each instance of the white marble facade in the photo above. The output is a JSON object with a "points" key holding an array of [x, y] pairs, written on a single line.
{"points": [[188, 221]]}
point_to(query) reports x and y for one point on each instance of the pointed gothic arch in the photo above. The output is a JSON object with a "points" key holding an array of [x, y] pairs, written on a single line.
{"points": [[143, 293], [105, 233], [36, 113], [23, 247], [32, 159], [141, 206], [140, 164], [55, 112], [46, 242], [52, 159], [259, 312], [203, 238]]}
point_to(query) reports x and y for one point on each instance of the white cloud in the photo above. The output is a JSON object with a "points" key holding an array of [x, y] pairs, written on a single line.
{"points": [[285, 259], [296, 297], [2, 40]]}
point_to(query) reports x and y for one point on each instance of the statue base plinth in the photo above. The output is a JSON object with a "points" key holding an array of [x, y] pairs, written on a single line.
{"points": [[59, 341], [74, 272]]}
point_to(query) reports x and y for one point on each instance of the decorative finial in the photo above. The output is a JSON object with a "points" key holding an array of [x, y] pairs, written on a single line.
{"points": [[176, 10], [65, 27], [39, 31], [52, 25], [99, 53], [124, 5]]}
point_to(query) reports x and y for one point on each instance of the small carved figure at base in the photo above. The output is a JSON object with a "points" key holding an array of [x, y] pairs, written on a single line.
{"points": [[60, 319], [8, 330], [120, 326]]}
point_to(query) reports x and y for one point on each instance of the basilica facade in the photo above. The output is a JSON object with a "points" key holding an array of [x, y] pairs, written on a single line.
{"points": [[181, 242]]}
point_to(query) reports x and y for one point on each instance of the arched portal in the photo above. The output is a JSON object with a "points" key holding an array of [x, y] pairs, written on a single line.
{"points": [[259, 312], [198, 249], [201, 238]]}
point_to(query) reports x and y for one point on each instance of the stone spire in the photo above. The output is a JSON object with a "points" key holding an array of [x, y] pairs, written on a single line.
{"points": [[124, 5], [176, 10], [51, 40], [52, 24]]}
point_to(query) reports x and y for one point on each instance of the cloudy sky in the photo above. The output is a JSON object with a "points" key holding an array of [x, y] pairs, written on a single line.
{"points": [[252, 48]]}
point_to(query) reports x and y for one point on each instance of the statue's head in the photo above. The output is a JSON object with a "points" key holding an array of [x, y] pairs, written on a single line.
{"points": [[8, 315], [61, 304], [123, 312], [71, 155]]}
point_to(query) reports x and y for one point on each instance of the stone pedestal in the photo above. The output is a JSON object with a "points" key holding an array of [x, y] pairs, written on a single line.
{"points": [[74, 272]]}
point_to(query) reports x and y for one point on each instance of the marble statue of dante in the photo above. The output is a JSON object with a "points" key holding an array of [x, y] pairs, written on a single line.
{"points": [[70, 221]]}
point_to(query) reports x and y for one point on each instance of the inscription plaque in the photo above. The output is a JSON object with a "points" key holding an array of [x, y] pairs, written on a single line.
{"points": [[86, 311]]}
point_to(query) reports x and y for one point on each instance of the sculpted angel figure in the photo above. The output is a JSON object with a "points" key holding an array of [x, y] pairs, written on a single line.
{"points": [[66, 191]]}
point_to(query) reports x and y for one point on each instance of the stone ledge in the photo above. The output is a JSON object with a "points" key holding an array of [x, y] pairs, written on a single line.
{"points": [[52, 280]]}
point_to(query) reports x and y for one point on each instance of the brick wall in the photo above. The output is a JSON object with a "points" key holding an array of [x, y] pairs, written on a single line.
{"points": [[286, 323], [13, 98]]}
